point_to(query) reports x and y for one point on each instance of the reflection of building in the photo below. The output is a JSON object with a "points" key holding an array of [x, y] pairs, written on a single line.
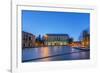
{"points": [[56, 39], [28, 40]]}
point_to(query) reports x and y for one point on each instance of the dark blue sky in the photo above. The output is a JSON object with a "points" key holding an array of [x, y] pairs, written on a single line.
{"points": [[43, 22]]}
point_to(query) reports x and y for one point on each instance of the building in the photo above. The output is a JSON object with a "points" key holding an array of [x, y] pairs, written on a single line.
{"points": [[86, 42], [56, 39], [85, 39], [76, 44], [28, 40]]}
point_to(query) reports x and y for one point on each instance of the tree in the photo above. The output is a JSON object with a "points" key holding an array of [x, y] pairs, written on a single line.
{"points": [[39, 40], [70, 40]]}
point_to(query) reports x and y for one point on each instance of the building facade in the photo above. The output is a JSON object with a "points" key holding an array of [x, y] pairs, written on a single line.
{"points": [[85, 39], [28, 40], [86, 42], [56, 39], [76, 44]]}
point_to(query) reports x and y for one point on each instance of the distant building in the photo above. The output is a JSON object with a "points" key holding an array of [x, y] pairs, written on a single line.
{"points": [[76, 44], [28, 40], [85, 39], [56, 39]]}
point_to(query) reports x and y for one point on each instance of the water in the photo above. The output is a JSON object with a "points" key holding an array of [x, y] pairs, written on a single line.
{"points": [[53, 53]]}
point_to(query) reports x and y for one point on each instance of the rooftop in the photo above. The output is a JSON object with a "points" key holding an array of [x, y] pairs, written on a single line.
{"points": [[27, 33]]}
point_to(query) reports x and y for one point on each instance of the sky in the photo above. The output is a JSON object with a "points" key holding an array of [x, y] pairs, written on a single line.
{"points": [[46, 22]]}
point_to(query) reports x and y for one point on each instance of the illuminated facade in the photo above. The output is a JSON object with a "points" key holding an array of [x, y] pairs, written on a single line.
{"points": [[28, 40], [86, 39], [76, 44], [56, 39], [86, 42]]}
